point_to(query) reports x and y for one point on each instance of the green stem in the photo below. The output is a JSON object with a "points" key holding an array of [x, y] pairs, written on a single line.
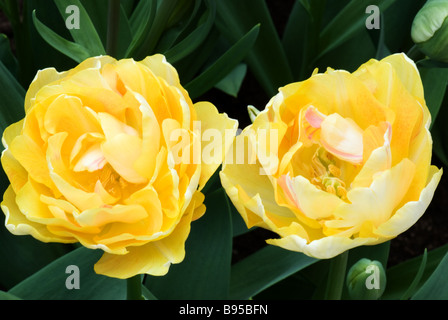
{"points": [[414, 53], [134, 288], [336, 277], [113, 22]]}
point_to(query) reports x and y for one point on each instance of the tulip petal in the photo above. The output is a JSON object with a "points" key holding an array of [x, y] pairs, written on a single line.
{"points": [[312, 202], [378, 202], [325, 248], [43, 78], [210, 119], [342, 138], [408, 215], [244, 182], [152, 258], [161, 68], [121, 152], [98, 217], [32, 158], [17, 223]]}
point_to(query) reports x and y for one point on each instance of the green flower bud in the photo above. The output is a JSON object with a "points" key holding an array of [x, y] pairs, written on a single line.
{"points": [[366, 280], [430, 29], [253, 112]]}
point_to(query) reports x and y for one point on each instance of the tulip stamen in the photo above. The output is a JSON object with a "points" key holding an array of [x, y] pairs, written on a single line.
{"points": [[326, 175]]}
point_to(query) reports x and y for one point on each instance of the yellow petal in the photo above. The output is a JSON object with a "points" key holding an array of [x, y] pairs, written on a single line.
{"points": [[312, 202], [407, 216], [43, 78], [378, 202], [149, 200], [145, 165], [109, 214], [161, 68], [153, 258], [243, 182], [32, 158], [210, 119], [18, 224], [342, 138], [410, 114], [324, 248], [121, 152]]}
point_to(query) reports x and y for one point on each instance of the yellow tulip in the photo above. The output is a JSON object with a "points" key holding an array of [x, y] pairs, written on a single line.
{"points": [[94, 162], [337, 161]]}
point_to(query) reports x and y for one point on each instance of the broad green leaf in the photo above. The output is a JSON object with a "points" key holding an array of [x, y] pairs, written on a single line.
{"points": [[6, 55], [220, 68], [86, 35], [21, 256], [263, 269], [11, 98], [147, 294], [398, 20], [150, 39], [342, 57], [435, 81], [140, 24], [267, 61], [71, 49], [205, 272], [436, 287], [43, 55], [7, 296], [98, 13], [231, 84], [400, 276], [296, 39], [195, 38], [347, 23], [193, 64], [49, 283]]}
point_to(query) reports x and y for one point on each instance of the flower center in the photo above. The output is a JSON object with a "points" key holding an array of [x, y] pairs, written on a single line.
{"points": [[111, 181], [326, 174]]}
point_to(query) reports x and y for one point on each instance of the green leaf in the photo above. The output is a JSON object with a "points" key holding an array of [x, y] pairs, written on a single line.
{"points": [[264, 268], [150, 39], [296, 39], [347, 23], [7, 296], [413, 287], [205, 272], [98, 11], [400, 276], [231, 84], [436, 287], [267, 61], [435, 81], [21, 256], [221, 67], [50, 282], [71, 49], [86, 35], [11, 98], [140, 23], [6, 55], [148, 294], [195, 38]]}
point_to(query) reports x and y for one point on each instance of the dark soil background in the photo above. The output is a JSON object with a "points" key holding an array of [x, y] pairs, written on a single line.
{"points": [[430, 232]]}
